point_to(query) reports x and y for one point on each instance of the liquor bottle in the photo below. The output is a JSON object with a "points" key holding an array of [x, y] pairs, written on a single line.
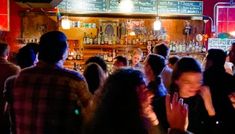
{"points": [[75, 66], [123, 29], [109, 39], [184, 47], [196, 47], [91, 41], [114, 39], [95, 40], [88, 39], [106, 39], [173, 47], [84, 38], [114, 53], [99, 38], [105, 56], [110, 57], [102, 38], [203, 48]]}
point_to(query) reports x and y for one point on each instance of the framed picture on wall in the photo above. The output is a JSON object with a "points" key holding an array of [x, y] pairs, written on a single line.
{"points": [[4, 15], [109, 28]]}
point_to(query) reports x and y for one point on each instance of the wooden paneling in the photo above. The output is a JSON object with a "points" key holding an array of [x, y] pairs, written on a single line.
{"points": [[35, 24], [173, 27]]}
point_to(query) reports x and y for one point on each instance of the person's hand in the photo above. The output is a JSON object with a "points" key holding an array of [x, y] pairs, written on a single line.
{"points": [[145, 99], [206, 96], [177, 113], [232, 98]]}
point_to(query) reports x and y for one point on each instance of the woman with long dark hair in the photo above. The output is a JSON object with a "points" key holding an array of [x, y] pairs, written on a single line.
{"points": [[126, 108], [187, 81]]}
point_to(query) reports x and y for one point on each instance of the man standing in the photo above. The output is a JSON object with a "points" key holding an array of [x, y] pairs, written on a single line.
{"points": [[163, 50], [6, 69], [47, 98]]}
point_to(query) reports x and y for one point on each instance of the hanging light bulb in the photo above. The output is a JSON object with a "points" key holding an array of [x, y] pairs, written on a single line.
{"points": [[205, 21], [157, 25], [66, 23], [126, 6], [232, 33]]}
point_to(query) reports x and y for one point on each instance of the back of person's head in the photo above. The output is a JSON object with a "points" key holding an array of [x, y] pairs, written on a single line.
{"points": [[215, 58], [100, 61], [184, 65], [4, 49], [27, 55], [119, 110], [156, 62], [232, 53], [122, 60], [94, 76], [173, 59], [52, 47], [162, 50]]}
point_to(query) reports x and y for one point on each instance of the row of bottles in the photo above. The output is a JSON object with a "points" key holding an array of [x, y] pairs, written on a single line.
{"points": [[108, 55], [192, 46], [75, 55], [130, 38]]}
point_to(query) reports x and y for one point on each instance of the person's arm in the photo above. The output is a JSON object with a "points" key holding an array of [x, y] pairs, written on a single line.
{"points": [[149, 117], [206, 96], [232, 98], [177, 131]]}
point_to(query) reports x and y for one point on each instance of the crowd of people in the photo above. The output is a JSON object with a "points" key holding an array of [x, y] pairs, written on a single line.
{"points": [[161, 95]]}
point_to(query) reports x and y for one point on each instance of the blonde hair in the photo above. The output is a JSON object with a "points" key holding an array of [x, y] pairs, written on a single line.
{"points": [[138, 51]]}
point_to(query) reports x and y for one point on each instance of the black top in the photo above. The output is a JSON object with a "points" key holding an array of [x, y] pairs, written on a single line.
{"points": [[157, 88], [199, 120]]}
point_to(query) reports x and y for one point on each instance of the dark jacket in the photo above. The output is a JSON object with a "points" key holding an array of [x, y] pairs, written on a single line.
{"points": [[221, 84]]}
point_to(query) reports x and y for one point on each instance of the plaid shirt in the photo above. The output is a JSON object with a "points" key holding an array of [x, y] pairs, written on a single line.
{"points": [[46, 100]]}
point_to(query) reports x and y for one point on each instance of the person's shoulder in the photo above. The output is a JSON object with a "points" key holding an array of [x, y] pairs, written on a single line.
{"points": [[167, 70], [13, 67], [72, 74]]}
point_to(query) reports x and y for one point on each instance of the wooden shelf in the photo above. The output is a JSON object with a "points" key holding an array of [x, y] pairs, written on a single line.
{"points": [[187, 53], [112, 46]]}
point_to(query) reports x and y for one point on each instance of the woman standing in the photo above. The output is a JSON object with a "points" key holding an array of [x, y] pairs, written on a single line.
{"points": [[187, 82]]}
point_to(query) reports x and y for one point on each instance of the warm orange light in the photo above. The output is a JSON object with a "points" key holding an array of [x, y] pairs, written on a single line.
{"points": [[232, 33]]}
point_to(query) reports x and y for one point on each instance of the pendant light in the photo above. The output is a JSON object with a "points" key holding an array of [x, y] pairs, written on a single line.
{"points": [[65, 22], [126, 6], [157, 25]]}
